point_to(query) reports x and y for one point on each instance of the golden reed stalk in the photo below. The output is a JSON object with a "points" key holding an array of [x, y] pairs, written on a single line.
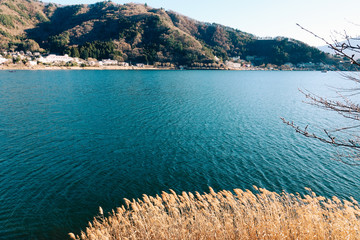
{"points": [[229, 215]]}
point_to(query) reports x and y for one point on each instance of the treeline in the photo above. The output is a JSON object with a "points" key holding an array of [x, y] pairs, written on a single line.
{"points": [[176, 48], [283, 50], [96, 49]]}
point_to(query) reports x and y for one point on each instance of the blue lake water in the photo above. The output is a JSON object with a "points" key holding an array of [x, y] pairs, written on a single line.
{"points": [[71, 141]]}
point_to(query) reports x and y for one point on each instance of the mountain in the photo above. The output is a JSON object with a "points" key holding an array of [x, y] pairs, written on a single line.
{"points": [[17, 16], [138, 33], [353, 41]]}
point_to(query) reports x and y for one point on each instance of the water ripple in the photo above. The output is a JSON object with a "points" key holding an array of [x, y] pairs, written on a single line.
{"points": [[73, 141]]}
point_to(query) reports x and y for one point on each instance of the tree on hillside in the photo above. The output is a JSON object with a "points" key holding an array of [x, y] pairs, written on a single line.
{"points": [[348, 137]]}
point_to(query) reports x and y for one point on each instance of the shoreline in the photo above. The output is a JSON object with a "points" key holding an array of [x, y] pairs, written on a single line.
{"points": [[150, 67], [81, 68]]}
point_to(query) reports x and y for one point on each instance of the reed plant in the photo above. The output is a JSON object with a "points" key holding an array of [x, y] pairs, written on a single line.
{"points": [[233, 214]]}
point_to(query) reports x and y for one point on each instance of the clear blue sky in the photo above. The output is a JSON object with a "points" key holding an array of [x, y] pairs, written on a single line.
{"points": [[266, 18]]}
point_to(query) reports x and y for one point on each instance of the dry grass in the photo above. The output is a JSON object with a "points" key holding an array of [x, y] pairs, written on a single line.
{"points": [[229, 215]]}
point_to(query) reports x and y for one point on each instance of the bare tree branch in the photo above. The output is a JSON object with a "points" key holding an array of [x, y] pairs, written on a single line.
{"points": [[338, 47], [354, 144], [346, 108], [346, 138]]}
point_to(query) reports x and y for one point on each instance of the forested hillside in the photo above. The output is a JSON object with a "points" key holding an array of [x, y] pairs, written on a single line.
{"points": [[137, 33]]}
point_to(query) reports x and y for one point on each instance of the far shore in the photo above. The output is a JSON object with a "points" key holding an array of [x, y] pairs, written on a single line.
{"points": [[39, 67], [145, 67]]}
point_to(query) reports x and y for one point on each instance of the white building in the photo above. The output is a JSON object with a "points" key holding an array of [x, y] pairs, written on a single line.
{"points": [[107, 62], [32, 63], [52, 58], [78, 61], [306, 65], [123, 64], [18, 55], [93, 63], [233, 65], [3, 60]]}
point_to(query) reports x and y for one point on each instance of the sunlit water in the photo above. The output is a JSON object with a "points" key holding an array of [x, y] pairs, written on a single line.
{"points": [[71, 141]]}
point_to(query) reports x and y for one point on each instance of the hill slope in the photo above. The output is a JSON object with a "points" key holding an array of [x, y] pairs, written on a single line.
{"points": [[137, 33], [16, 16]]}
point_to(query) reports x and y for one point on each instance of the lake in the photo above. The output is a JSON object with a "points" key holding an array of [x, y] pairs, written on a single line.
{"points": [[71, 141]]}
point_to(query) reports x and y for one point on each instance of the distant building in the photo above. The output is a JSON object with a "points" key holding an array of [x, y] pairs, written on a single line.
{"points": [[32, 63], [3, 60], [232, 65], [140, 65], [52, 58], [123, 64], [92, 63], [289, 65], [306, 65], [108, 62], [18, 55], [78, 61]]}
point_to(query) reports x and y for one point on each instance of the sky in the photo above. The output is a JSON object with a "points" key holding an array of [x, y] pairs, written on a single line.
{"points": [[267, 18]]}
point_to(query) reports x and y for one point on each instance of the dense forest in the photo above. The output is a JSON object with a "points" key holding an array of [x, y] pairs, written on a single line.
{"points": [[138, 33]]}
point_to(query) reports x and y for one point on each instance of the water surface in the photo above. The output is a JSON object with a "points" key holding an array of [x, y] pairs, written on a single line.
{"points": [[71, 141]]}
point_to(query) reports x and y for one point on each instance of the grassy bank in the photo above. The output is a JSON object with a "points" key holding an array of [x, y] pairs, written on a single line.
{"points": [[229, 215]]}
